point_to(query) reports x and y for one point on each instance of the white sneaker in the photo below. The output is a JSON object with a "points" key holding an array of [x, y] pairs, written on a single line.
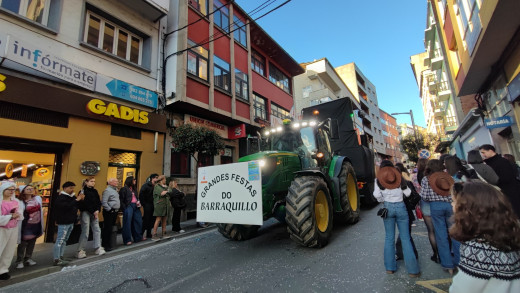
{"points": [[100, 251], [29, 262], [81, 254], [182, 231], [19, 265]]}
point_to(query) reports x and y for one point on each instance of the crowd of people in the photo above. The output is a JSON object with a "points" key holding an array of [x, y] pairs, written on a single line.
{"points": [[471, 211], [21, 217]]}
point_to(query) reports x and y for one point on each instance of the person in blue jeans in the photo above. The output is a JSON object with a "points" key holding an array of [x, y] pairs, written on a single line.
{"points": [[435, 189], [66, 211], [132, 217], [389, 188]]}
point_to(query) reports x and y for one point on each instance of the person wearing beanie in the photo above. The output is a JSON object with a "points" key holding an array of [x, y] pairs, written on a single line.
{"points": [[31, 227], [10, 215], [66, 211]]}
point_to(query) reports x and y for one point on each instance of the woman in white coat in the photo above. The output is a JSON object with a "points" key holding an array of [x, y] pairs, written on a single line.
{"points": [[9, 217]]}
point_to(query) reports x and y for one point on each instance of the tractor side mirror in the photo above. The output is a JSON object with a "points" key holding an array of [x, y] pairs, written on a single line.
{"points": [[333, 128]]}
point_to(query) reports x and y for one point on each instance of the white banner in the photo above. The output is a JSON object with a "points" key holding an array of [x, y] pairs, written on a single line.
{"points": [[230, 193], [30, 55]]}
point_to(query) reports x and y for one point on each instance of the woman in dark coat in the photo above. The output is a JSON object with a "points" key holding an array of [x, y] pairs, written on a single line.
{"points": [[130, 205], [178, 201]]}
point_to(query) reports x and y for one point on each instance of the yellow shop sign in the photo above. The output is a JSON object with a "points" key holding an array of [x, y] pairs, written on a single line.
{"points": [[99, 107]]}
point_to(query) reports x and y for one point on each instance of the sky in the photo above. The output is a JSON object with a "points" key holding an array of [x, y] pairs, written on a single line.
{"points": [[378, 35]]}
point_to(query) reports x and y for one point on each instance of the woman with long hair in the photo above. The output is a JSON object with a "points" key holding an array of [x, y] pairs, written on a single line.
{"points": [[31, 227], [160, 206], [456, 169], [486, 225], [89, 210], [435, 189], [130, 205]]}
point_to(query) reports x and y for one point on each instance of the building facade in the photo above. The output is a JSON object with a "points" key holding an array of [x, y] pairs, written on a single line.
{"points": [[225, 72], [365, 93], [79, 93], [484, 69], [320, 83], [391, 136]]}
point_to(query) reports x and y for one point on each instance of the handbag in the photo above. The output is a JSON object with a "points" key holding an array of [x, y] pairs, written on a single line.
{"points": [[418, 212], [383, 212], [414, 198]]}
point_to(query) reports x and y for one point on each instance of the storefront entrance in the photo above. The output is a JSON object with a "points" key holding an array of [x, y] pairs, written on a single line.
{"points": [[37, 164], [122, 164]]}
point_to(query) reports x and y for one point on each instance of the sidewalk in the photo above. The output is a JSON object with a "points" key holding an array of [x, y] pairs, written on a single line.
{"points": [[42, 254]]}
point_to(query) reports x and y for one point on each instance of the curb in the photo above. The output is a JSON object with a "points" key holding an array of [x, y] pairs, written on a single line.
{"points": [[19, 278]]}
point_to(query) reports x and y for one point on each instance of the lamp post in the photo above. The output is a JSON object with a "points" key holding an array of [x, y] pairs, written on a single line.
{"points": [[413, 126]]}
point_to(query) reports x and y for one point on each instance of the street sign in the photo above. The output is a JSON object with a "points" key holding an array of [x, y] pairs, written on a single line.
{"points": [[498, 122], [126, 91], [230, 193], [424, 154]]}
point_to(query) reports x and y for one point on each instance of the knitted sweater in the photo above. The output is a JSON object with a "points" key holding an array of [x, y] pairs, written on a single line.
{"points": [[484, 268]]}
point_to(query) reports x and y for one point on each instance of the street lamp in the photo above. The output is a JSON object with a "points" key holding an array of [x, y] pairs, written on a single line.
{"points": [[413, 125]]}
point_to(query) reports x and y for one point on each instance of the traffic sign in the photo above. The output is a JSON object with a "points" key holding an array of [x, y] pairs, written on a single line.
{"points": [[424, 154]]}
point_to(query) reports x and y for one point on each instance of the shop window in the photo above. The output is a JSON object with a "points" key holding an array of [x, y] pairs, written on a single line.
{"points": [[277, 77], [33, 115], [116, 38], [197, 60], [239, 31], [180, 164], [122, 164], [221, 74], [221, 15], [125, 131], [44, 12], [241, 86], [226, 156], [279, 112], [205, 160], [258, 62]]}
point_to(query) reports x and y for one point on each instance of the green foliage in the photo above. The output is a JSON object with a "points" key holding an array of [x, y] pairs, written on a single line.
{"points": [[189, 139], [425, 141]]}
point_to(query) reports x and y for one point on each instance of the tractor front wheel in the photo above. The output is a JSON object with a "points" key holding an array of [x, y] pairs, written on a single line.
{"points": [[238, 232], [309, 211]]}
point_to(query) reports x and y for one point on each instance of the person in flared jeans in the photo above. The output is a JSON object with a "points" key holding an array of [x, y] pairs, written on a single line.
{"points": [[397, 214], [441, 212], [132, 224]]}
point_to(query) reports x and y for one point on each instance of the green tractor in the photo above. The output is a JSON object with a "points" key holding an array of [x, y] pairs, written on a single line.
{"points": [[304, 183]]}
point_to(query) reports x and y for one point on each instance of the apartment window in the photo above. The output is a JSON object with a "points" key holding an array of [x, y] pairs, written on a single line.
{"points": [[278, 78], [112, 38], [320, 101], [260, 107], [44, 12], [197, 60], [279, 112], [239, 31], [221, 15], [468, 18], [200, 5], [222, 74], [258, 62], [241, 88], [180, 164], [306, 91]]}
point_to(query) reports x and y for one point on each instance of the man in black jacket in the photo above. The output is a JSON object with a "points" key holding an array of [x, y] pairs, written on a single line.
{"points": [[66, 211], [506, 175], [146, 199]]}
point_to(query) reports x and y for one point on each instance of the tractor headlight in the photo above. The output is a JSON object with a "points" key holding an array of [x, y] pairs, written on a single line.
{"points": [[268, 166]]}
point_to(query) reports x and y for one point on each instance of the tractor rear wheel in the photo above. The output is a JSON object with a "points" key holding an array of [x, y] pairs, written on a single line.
{"points": [[349, 195], [238, 232], [309, 211]]}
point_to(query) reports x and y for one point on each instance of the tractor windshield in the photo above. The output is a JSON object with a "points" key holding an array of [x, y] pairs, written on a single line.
{"points": [[292, 140]]}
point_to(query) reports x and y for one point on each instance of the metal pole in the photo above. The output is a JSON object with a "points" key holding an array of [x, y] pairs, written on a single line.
{"points": [[414, 131]]}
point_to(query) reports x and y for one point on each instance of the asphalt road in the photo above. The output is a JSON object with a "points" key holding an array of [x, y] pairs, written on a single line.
{"points": [[271, 262]]}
